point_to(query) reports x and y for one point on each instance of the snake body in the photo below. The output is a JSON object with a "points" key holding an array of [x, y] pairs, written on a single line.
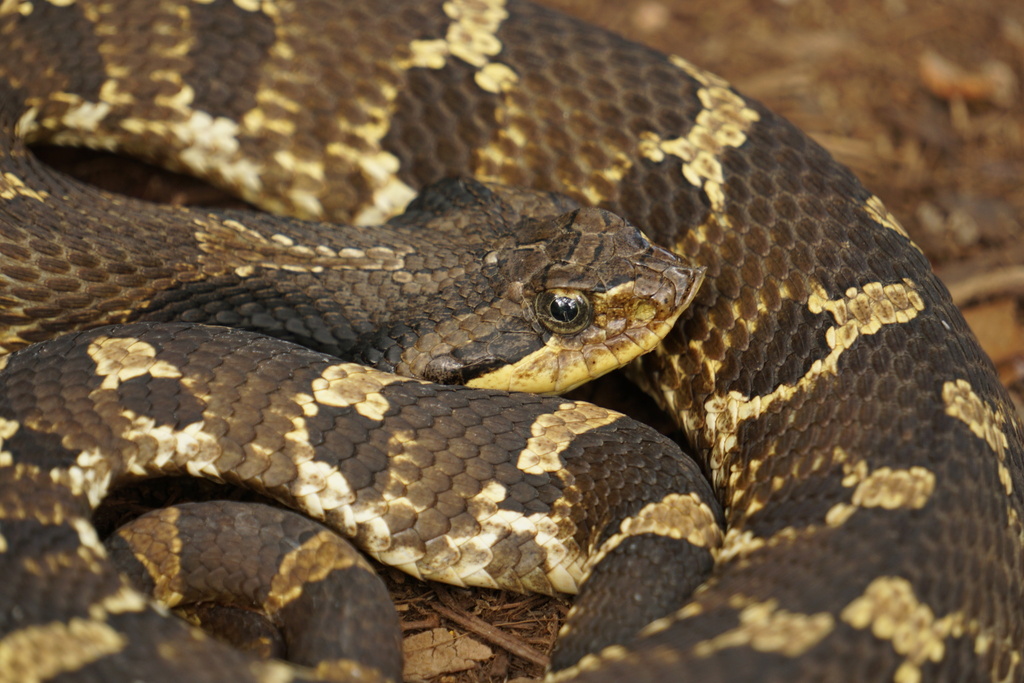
{"points": [[868, 463]]}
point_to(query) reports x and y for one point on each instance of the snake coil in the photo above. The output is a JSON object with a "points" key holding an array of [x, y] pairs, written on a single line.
{"points": [[868, 464]]}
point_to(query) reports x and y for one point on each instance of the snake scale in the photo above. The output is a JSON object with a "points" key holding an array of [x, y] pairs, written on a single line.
{"points": [[867, 461]]}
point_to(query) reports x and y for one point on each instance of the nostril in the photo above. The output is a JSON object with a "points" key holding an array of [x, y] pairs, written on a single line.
{"points": [[687, 281]]}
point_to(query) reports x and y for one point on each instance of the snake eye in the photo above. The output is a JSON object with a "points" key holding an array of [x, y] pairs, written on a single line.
{"points": [[564, 311]]}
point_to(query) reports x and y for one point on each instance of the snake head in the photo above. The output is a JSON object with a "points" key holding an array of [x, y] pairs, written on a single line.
{"points": [[576, 296]]}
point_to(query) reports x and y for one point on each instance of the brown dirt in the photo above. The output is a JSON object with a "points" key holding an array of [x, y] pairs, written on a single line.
{"points": [[921, 100]]}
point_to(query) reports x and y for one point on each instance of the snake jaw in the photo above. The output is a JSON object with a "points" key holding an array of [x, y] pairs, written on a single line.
{"points": [[635, 290], [558, 296]]}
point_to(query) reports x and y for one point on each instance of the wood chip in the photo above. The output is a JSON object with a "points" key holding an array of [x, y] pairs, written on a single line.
{"points": [[996, 326], [439, 651], [994, 82]]}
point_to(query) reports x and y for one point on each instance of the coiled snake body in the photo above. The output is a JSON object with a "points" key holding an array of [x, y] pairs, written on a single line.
{"points": [[868, 463]]}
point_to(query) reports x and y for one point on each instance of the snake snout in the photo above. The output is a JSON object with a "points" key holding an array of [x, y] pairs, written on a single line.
{"points": [[686, 281], [667, 281]]}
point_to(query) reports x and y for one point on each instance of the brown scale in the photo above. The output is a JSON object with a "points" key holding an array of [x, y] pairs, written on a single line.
{"points": [[320, 594], [480, 258], [873, 503], [420, 475]]}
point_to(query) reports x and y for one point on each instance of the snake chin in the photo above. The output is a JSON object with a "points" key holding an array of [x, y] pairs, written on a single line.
{"points": [[450, 370]]}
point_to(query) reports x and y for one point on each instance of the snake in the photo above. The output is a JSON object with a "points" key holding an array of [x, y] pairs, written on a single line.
{"points": [[866, 460]]}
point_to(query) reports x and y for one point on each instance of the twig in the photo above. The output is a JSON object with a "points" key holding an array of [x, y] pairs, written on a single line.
{"points": [[1008, 280], [493, 634]]}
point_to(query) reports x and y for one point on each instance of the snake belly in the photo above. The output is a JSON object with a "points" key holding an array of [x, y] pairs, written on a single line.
{"points": [[868, 462]]}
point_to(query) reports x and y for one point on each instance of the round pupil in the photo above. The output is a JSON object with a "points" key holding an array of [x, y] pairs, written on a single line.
{"points": [[564, 309]]}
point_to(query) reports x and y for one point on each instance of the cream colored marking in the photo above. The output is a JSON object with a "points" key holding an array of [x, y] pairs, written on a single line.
{"points": [[86, 117], [190, 445], [552, 433], [8, 428], [891, 610], [353, 386], [367, 516], [472, 37], [562, 570], [12, 186], [867, 311], [378, 168], [68, 646], [839, 514], [557, 367], [301, 566], [245, 249], [208, 145], [342, 670], [738, 545], [119, 359], [320, 489], [157, 445], [496, 78], [589, 663], [551, 369], [22, 7], [983, 421], [499, 158], [678, 516], [462, 560], [308, 403], [266, 671], [881, 215], [79, 121], [87, 535], [27, 123], [52, 514], [123, 601], [858, 313], [493, 160], [767, 628], [274, 671], [305, 201], [723, 123], [213, 143], [165, 573], [747, 326], [89, 476], [1016, 526], [111, 93], [886, 488], [53, 562], [891, 489], [248, 5], [390, 194]]}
